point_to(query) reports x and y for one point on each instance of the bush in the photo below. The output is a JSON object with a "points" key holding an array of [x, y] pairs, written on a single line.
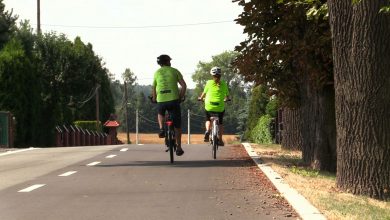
{"points": [[261, 133], [90, 125]]}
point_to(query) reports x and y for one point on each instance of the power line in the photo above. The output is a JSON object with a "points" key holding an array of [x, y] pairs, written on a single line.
{"points": [[202, 116], [146, 119], [138, 27]]}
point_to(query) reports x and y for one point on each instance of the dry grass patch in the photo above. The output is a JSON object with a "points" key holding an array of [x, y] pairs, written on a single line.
{"points": [[320, 187]]}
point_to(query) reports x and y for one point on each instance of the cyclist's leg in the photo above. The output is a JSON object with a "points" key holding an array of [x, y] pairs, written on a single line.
{"points": [[162, 107], [220, 116], [207, 127], [176, 116]]}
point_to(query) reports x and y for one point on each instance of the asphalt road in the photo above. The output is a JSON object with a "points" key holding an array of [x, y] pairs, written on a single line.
{"points": [[135, 182]]}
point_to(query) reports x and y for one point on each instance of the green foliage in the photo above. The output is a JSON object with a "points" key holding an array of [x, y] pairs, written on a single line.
{"points": [[272, 107], [39, 74], [261, 132], [7, 24], [304, 171], [385, 9], [129, 77], [19, 89], [257, 108], [90, 125], [288, 43]]}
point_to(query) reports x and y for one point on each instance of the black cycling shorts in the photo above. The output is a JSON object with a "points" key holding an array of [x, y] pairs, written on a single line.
{"points": [[220, 115], [174, 108]]}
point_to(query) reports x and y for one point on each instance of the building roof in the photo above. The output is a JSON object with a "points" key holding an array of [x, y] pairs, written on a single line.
{"points": [[111, 124]]}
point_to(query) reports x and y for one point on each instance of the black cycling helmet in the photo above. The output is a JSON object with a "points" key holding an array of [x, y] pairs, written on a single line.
{"points": [[163, 59]]}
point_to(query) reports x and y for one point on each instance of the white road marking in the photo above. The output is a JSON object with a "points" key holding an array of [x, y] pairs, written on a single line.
{"points": [[31, 188], [68, 173], [93, 163], [17, 151], [124, 149], [111, 156], [141, 144]]}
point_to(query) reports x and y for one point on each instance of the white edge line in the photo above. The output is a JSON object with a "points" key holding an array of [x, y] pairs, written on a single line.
{"points": [[93, 163], [301, 205], [31, 188], [17, 151], [68, 173]]}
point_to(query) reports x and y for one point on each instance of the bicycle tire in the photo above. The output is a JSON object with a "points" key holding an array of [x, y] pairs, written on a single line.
{"points": [[215, 146], [171, 145]]}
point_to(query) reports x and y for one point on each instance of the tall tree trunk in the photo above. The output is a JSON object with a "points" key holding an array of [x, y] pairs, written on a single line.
{"points": [[318, 127], [291, 133], [361, 56]]}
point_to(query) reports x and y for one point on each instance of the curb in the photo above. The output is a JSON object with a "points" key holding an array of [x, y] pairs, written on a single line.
{"points": [[17, 151], [303, 207]]}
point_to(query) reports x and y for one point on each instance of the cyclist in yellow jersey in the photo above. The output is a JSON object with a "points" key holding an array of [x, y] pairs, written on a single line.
{"points": [[215, 92], [168, 96]]}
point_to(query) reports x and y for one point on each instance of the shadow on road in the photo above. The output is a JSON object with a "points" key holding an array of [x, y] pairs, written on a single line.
{"points": [[189, 163]]}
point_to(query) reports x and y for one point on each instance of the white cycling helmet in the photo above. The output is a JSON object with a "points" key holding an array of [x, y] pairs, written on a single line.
{"points": [[215, 71]]}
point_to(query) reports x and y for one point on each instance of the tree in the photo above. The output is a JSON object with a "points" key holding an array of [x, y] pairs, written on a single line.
{"points": [[290, 52], [129, 105], [19, 90], [291, 133], [362, 85], [7, 24]]}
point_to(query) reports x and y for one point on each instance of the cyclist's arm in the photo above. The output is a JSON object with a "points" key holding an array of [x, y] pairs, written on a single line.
{"points": [[202, 96], [227, 96], [154, 94], [183, 88]]}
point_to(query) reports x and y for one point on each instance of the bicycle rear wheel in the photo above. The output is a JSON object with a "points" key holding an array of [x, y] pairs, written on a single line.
{"points": [[171, 146]]}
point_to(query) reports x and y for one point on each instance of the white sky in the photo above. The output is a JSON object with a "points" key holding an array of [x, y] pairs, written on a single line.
{"points": [[137, 48]]}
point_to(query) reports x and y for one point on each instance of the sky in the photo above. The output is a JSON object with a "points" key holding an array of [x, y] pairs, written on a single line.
{"points": [[132, 33]]}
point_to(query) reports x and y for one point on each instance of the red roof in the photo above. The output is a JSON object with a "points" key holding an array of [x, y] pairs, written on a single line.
{"points": [[111, 124]]}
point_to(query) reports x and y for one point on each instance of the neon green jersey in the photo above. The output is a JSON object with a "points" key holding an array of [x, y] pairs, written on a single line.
{"points": [[215, 95], [165, 80]]}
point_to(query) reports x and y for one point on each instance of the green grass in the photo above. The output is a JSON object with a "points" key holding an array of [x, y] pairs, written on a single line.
{"points": [[355, 209], [290, 159], [304, 171]]}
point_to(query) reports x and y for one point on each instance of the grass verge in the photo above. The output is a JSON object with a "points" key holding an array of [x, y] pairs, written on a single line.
{"points": [[320, 187]]}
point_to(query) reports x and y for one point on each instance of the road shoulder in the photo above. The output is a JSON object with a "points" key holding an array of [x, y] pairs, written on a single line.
{"points": [[302, 206]]}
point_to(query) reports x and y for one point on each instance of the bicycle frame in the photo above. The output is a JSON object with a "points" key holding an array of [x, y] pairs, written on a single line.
{"points": [[170, 136], [214, 135]]}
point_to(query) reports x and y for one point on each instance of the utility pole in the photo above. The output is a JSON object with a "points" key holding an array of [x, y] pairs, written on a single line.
{"points": [[189, 127], [38, 17], [126, 115], [97, 107], [136, 126]]}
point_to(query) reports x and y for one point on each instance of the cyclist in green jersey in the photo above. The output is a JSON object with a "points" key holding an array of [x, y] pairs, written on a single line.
{"points": [[166, 93], [215, 92]]}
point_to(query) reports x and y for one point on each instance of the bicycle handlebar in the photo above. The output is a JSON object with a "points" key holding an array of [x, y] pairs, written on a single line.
{"points": [[180, 101], [202, 100]]}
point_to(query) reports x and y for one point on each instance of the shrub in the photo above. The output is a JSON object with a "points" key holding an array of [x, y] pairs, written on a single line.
{"points": [[90, 125], [261, 133]]}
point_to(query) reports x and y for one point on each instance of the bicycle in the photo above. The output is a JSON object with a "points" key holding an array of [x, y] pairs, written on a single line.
{"points": [[169, 133], [214, 135]]}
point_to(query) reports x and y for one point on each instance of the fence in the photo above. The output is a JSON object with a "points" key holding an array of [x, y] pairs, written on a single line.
{"points": [[76, 136], [6, 129]]}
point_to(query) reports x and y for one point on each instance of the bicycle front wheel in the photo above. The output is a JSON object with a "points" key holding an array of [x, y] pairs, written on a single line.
{"points": [[215, 146]]}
